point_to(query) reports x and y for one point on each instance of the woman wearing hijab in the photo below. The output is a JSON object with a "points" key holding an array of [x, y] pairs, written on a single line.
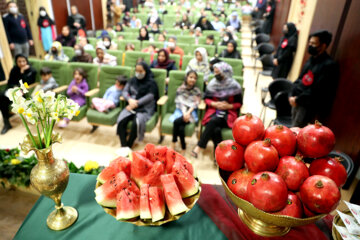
{"points": [[56, 53], [81, 55], [76, 21], [223, 98], [163, 61], [230, 51], [108, 43], [154, 18], [143, 34], [141, 93], [199, 63], [269, 16], [226, 39], [46, 26], [234, 21], [285, 52], [103, 58], [204, 24], [21, 71], [66, 38]]}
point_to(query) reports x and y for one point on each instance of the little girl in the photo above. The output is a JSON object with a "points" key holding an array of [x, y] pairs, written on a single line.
{"points": [[111, 97], [187, 100], [76, 91]]}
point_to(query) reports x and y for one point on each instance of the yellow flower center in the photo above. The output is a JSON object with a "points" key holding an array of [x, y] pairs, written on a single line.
{"points": [[40, 99], [37, 93], [77, 112], [21, 110], [15, 161], [26, 85], [29, 115]]}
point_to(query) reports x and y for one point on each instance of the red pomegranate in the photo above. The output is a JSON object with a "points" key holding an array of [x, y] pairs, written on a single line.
{"points": [[238, 182], [293, 170], [229, 155], [293, 207], [267, 191], [331, 168], [320, 194], [248, 128], [315, 140], [282, 138], [295, 130], [261, 156]]}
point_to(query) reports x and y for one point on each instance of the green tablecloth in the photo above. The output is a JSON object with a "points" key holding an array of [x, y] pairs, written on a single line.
{"points": [[94, 223]]}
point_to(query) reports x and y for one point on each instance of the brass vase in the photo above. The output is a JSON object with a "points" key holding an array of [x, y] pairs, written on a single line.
{"points": [[50, 177]]}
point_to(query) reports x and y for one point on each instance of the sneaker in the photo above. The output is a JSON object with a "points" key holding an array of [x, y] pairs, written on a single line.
{"points": [[123, 151]]}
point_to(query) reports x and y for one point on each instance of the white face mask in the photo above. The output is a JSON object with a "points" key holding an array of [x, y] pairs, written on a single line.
{"points": [[13, 10], [226, 38], [78, 52], [140, 76], [171, 45], [42, 13], [106, 43]]}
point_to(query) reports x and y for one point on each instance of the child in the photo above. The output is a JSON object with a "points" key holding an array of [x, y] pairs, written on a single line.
{"points": [[187, 100], [111, 97], [76, 91], [47, 81]]}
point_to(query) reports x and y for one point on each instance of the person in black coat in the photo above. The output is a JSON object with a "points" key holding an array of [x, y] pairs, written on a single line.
{"points": [[285, 52], [204, 24], [66, 38], [314, 91], [21, 71], [76, 21], [230, 51], [269, 16]]}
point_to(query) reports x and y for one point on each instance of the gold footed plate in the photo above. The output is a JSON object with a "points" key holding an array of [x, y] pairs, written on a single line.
{"points": [[62, 218], [260, 222], [189, 202]]}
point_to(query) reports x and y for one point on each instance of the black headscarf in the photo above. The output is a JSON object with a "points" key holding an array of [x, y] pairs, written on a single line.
{"points": [[145, 85], [206, 26], [42, 19], [234, 53], [146, 38], [15, 74], [291, 35], [223, 42]]}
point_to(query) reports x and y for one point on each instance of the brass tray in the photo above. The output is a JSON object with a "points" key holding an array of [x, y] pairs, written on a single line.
{"points": [[189, 202]]}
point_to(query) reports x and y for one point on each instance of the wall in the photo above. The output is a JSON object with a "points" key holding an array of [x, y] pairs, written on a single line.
{"points": [[280, 18]]}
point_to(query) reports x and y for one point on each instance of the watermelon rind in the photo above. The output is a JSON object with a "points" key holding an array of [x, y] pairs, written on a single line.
{"points": [[157, 203], [145, 212], [102, 200], [128, 205]]}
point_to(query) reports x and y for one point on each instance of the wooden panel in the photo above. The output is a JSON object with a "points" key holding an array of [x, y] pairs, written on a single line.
{"points": [[98, 15], [280, 18], [60, 14]]}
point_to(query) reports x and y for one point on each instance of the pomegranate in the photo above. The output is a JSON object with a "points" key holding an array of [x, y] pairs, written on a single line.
{"points": [[293, 207], [261, 156], [229, 155], [329, 167], [315, 140], [307, 212], [248, 128], [282, 138], [320, 194], [293, 170], [295, 130], [267, 191], [238, 182]]}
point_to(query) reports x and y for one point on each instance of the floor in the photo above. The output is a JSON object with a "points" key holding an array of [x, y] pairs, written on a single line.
{"points": [[80, 146]]}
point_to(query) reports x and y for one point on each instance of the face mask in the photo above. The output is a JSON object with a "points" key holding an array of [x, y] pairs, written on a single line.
{"points": [[171, 45], [218, 77], [13, 10], [54, 51], [106, 43], [226, 38], [312, 50], [42, 13], [78, 52], [140, 76]]}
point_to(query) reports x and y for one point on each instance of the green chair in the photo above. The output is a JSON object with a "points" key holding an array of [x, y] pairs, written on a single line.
{"points": [[118, 54], [128, 35], [122, 44], [93, 41], [209, 48], [174, 31], [132, 30], [107, 77], [237, 65], [168, 107], [186, 39], [59, 72], [186, 47], [239, 79], [143, 17], [185, 61], [158, 45], [222, 48], [211, 32], [92, 53], [36, 64], [158, 75], [132, 57], [69, 51], [169, 21]]}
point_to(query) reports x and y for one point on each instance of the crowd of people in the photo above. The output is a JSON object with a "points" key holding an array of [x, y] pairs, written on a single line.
{"points": [[222, 93]]}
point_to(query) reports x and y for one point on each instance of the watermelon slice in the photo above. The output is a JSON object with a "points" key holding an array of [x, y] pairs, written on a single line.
{"points": [[140, 167], [149, 149], [185, 181], [153, 176], [121, 164], [159, 154], [157, 204], [172, 194], [145, 212], [107, 174], [106, 193], [171, 156], [142, 152], [127, 205]]}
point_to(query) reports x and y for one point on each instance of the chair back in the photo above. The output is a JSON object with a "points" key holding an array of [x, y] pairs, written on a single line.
{"points": [[282, 105], [236, 64], [90, 69], [122, 44], [261, 38], [159, 75], [69, 51], [267, 62], [265, 48], [279, 85], [108, 75], [132, 56], [59, 70], [36, 64]]}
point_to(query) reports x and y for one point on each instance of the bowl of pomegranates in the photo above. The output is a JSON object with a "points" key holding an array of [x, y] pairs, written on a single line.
{"points": [[263, 173]]}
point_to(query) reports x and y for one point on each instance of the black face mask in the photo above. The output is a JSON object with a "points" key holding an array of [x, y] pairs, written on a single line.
{"points": [[312, 50], [218, 77], [54, 51]]}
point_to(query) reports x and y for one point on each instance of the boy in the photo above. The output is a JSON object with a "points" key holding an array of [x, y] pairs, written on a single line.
{"points": [[47, 81]]}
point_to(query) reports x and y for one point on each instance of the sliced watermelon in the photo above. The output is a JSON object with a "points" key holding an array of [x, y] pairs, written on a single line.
{"points": [[127, 205], [107, 174], [142, 152], [157, 204], [153, 176], [159, 154], [149, 149], [185, 181], [171, 156], [121, 164], [145, 212], [172, 194], [187, 165], [140, 167]]}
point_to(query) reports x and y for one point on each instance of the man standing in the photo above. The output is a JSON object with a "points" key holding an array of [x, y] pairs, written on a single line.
{"points": [[17, 30], [314, 91], [76, 21]]}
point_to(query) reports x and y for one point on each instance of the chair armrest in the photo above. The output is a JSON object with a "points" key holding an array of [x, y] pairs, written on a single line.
{"points": [[60, 89], [92, 92], [162, 100], [202, 105], [33, 85], [3, 83]]}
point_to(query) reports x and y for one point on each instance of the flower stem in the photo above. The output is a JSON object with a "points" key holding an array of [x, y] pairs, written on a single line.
{"points": [[28, 130], [38, 132], [50, 133]]}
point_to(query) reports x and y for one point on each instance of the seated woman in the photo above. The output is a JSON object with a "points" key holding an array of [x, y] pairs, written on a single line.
{"points": [[185, 22], [200, 63], [230, 51], [143, 34], [227, 37], [154, 18], [141, 93], [84, 42], [103, 58], [81, 55], [234, 21], [56, 53], [21, 71], [66, 38], [154, 29], [163, 61], [204, 24], [119, 27], [108, 44], [223, 98], [187, 99]]}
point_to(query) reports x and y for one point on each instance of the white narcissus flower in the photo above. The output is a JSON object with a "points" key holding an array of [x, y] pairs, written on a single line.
{"points": [[24, 86]]}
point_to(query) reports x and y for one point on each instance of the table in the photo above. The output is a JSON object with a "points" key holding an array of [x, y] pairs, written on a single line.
{"points": [[213, 217]]}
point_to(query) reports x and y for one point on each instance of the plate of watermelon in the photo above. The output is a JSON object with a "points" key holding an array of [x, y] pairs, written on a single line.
{"points": [[152, 187]]}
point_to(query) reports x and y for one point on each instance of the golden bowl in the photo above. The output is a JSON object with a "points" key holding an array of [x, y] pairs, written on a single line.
{"points": [[260, 222], [189, 202]]}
